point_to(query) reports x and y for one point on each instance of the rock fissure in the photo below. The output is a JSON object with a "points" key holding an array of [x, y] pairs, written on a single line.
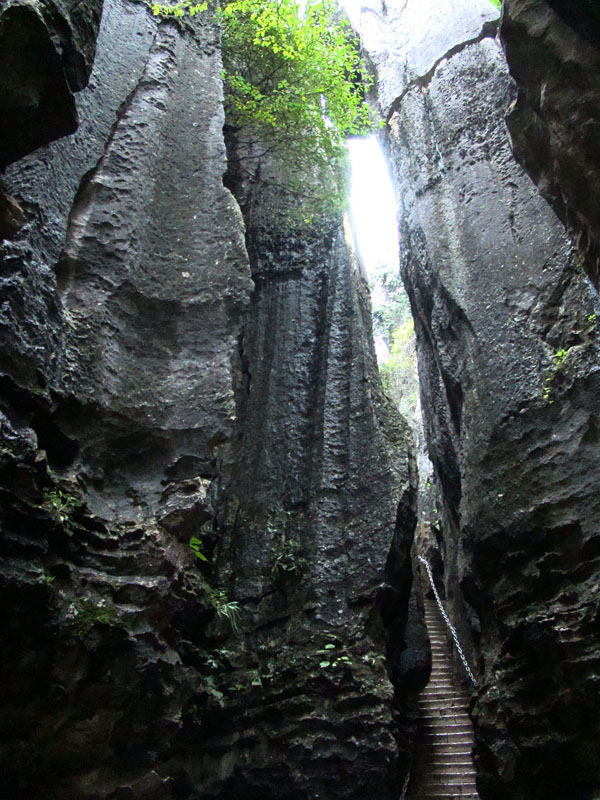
{"points": [[489, 30]]}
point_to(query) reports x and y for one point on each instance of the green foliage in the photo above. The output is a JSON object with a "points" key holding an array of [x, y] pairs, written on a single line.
{"points": [[255, 678], [497, 3], [209, 686], [87, 613], [295, 86], [560, 356], [393, 323], [287, 557], [592, 318], [217, 660], [371, 659], [283, 70], [62, 504], [332, 658], [224, 608], [402, 352], [391, 307], [177, 10], [195, 545]]}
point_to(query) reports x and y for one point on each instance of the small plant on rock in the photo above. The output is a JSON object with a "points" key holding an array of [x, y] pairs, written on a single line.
{"points": [[287, 557], [87, 613], [256, 678], [211, 690], [62, 503], [177, 10], [225, 608], [331, 658], [47, 579], [218, 660], [195, 545], [560, 356], [371, 659]]}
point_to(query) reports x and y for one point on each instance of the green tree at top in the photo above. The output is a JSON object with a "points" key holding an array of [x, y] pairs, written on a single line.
{"points": [[294, 81]]}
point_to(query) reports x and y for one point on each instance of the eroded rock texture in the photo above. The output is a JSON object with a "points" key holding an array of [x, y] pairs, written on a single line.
{"points": [[309, 514], [507, 337], [46, 53], [165, 376], [553, 53]]}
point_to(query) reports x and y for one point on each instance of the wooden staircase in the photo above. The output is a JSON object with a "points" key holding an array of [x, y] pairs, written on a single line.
{"points": [[443, 767]]}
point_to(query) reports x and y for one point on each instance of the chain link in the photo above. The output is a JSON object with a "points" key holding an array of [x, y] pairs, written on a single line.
{"points": [[405, 787], [448, 623]]}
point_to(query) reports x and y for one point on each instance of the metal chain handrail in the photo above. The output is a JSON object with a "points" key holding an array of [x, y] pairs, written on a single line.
{"points": [[448, 623], [405, 786]]}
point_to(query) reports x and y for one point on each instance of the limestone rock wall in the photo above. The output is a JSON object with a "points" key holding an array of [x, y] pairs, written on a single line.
{"points": [[46, 54], [318, 471], [171, 373], [507, 337], [552, 50]]}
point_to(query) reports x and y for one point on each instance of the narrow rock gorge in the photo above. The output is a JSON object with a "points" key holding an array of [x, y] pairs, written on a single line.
{"points": [[507, 340], [208, 503]]}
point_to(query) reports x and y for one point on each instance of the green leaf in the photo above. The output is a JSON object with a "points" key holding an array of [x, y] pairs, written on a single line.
{"points": [[195, 544], [324, 663]]}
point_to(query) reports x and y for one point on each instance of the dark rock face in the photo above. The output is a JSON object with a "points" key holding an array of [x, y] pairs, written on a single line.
{"points": [[148, 272], [309, 516], [507, 338], [199, 473], [584, 17], [552, 50], [46, 53]]}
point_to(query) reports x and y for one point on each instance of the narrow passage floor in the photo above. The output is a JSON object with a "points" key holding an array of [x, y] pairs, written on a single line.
{"points": [[444, 763]]}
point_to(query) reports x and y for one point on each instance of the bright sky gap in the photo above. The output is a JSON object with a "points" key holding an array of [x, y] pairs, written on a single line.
{"points": [[373, 206]]}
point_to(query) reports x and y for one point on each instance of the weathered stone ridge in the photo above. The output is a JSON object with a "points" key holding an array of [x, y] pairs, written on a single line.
{"points": [[507, 337], [552, 50], [103, 379], [148, 267]]}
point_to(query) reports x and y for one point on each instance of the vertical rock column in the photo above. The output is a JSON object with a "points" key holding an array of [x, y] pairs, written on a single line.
{"points": [[507, 338], [321, 488], [171, 403], [122, 300]]}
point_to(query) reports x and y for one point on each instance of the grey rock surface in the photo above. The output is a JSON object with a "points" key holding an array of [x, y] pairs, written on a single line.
{"points": [[153, 279], [507, 339], [45, 185], [311, 510], [552, 50], [405, 41], [46, 53]]}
